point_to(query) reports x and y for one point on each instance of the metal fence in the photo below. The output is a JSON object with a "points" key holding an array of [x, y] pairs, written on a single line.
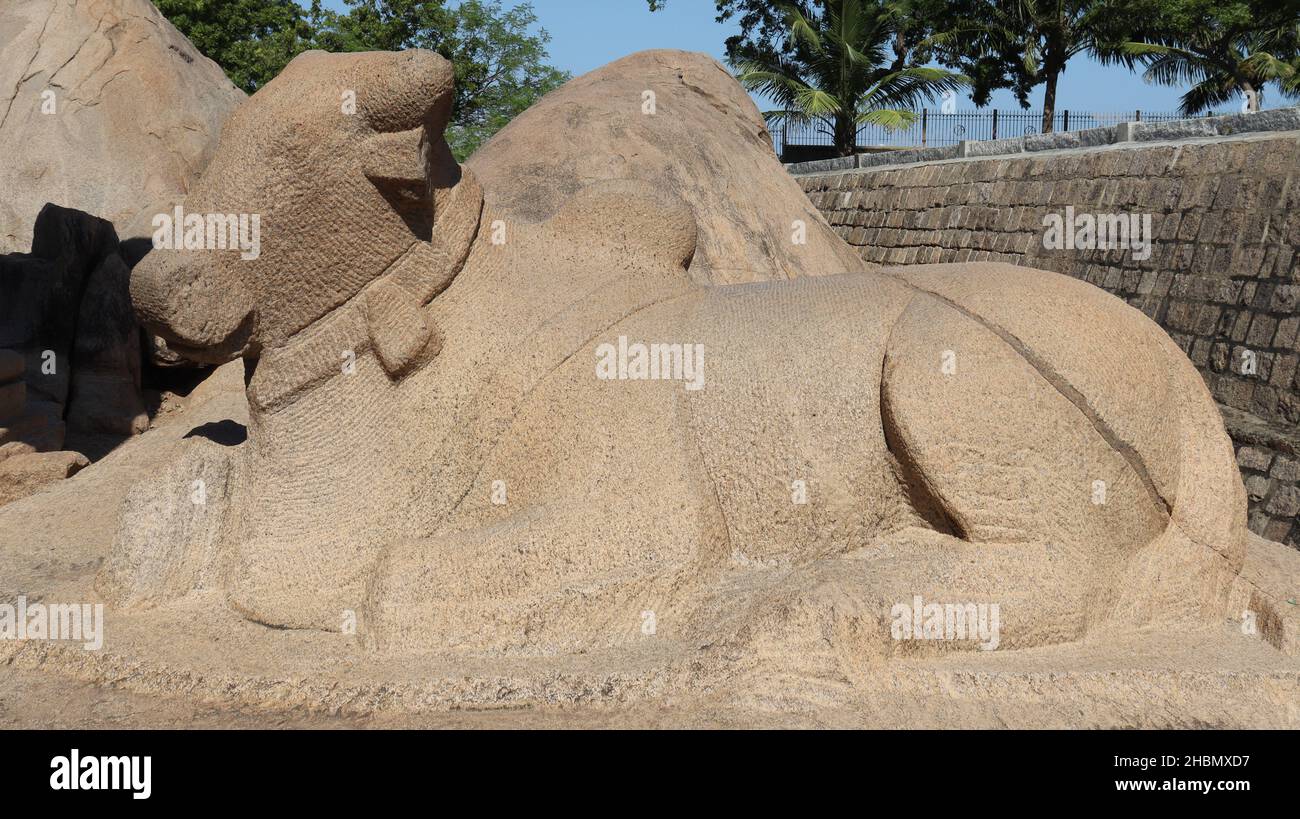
{"points": [[935, 128]]}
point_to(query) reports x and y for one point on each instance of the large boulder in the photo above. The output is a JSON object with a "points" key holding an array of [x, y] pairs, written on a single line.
{"points": [[104, 107], [25, 426], [65, 310], [13, 390], [27, 473], [638, 119]]}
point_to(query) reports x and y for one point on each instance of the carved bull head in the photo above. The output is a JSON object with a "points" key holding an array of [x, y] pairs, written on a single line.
{"points": [[341, 165]]}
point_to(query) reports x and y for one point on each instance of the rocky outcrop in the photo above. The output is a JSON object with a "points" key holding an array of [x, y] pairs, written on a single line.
{"points": [[65, 309], [637, 120], [70, 357], [25, 426], [104, 107], [24, 474]]}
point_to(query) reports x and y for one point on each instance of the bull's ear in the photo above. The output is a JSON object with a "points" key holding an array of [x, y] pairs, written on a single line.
{"points": [[403, 90], [397, 156], [418, 175], [398, 165]]}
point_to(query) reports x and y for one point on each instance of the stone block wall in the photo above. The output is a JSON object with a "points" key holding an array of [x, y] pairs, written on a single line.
{"points": [[1222, 277]]}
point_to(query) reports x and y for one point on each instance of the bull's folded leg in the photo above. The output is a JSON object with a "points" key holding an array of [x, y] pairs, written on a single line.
{"points": [[1030, 408], [318, 503]]}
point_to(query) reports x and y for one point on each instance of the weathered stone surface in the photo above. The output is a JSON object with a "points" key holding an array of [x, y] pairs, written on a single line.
{"points": [[171, 544], [1056, 141], [745, 214], [10, 448], [38, 429], [104, 107], [987, 147], [1265, 590], [1249, 457], [1220, 275], [905, 157], [1278, 119], [839, 163], [27, 473]]}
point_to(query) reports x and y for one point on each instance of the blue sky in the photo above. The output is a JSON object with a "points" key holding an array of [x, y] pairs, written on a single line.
{"points": [[586, 34]]}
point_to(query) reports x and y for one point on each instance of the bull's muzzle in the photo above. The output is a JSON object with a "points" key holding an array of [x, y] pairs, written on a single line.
{"points": [[201, 314]]}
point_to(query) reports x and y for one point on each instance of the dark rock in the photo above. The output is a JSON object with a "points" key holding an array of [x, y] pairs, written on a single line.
{"points": [[66, 310]]}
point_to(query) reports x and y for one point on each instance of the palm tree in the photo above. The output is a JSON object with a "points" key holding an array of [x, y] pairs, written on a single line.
{"points": [[1221, 60], [1021, 43], [848, 66]]}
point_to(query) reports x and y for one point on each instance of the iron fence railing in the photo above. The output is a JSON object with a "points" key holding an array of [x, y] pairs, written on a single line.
{"points": [[936, 128]]}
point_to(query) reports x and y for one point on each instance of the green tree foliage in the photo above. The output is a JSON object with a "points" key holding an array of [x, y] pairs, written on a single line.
{"points": [[1223, 49], [843, 63], [1020, 44], [761, 22], [252, 40], [500, 63], [500, 67]]}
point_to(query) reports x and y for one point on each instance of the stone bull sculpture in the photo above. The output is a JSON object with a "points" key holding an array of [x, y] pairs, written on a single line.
{"points": [[479, 431]]}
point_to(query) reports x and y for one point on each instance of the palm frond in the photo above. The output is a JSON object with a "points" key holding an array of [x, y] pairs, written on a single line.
{"points": [[773, 79], [1204, 96], [1175, 69], [816, 102], [802, 30], [911, 87], [1265, 67], [891, 119]]}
